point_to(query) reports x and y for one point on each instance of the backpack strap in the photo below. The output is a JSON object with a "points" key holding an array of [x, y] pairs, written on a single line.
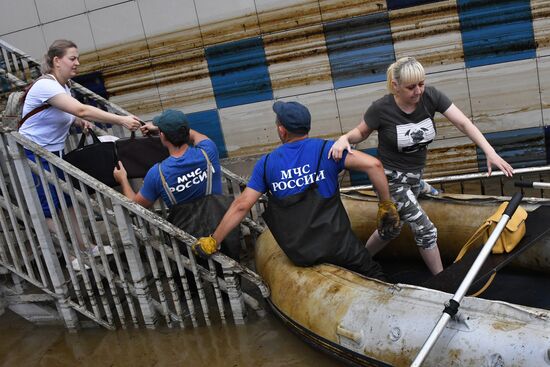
{"points": [[37, 109], [208, 173], [32, 113], [208, 180], [166, 188]]}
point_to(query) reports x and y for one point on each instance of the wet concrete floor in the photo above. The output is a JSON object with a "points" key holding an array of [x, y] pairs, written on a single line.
{"points": [[263, 342]]}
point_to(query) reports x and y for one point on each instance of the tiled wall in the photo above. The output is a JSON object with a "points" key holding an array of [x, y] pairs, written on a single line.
{"points": [[224, 62]]}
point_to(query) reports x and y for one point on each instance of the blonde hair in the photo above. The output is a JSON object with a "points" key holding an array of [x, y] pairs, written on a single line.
{"points": [[404, 71], [58, 48]]}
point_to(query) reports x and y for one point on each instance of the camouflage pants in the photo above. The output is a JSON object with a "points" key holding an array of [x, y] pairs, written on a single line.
{"points": [[404, 190]]}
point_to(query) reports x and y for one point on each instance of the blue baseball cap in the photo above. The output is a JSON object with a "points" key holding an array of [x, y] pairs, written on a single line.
{"points": [[171, 121], [294, 116]]}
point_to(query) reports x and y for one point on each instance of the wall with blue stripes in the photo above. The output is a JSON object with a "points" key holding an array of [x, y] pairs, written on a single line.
{"points": [[225, 62]]}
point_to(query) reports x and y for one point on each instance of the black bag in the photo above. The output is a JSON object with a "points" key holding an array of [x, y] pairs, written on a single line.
{"points": [[97, 159], [138, 154]]}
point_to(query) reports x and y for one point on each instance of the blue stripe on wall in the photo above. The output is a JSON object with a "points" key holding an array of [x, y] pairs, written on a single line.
{"points": [[361, 178], [400, 4], [547, 143], [93, 81], [360, 49], [496, 31], [208, 123], [521, 148], [239, 73]]}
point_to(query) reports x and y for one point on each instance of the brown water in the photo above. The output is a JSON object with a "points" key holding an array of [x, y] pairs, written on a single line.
{"points": [[262, 342]]}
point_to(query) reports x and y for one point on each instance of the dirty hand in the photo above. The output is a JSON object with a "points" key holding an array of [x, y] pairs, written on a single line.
{"points": [[388, 217], [205, 246]]}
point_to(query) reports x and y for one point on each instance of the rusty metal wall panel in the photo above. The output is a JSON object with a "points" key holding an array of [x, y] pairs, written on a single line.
{"points": [[332, 10], [521, 147], [238, 71], [451, 159], [495, 32], [360, 49], [298, 61], [323, 47], [540, 11], [430, 33], [230, 30], [276, 19]]}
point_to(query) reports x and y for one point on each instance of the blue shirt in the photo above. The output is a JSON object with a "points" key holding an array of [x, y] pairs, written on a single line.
{"points": [[185, 175], [291, 169]]}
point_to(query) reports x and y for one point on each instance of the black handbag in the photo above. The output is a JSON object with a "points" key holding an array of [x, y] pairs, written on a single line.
{"points": [[97, 159], [138, 154]]}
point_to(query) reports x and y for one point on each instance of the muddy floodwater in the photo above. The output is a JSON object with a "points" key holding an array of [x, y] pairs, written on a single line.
{"points": [[263, 342]]}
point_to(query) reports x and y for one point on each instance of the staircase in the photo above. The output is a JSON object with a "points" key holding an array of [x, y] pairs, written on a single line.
{"points": [[151, 279]]}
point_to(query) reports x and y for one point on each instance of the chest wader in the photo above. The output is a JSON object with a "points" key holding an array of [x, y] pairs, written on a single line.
{"points": [[311, 230], [200, 217]]}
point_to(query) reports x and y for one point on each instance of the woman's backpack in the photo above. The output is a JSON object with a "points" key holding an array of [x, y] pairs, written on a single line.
{"points": [[12, 117]]}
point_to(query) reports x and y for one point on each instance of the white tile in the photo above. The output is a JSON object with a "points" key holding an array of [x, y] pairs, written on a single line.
{"points": [[142, 103], [297, 61], [354, 101], [322, 106], [76, 28], [21, 14], [30, 41], [249, 129], [116, 25], [266, 5], [454, 85], [436, 53], [163, 16], [50, 10], [210, 11], [544, 77], [275, 15], [505, 96], [96, 4], [189, 96], [541, 26]]}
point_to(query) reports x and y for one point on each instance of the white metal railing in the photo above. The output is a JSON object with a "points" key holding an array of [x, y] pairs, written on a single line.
{"points": [[147, 279], [485, 183]]}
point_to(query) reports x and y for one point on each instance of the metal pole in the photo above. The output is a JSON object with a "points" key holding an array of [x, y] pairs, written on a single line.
{"points": [[451, 307], [460, 178], [532, 185]]}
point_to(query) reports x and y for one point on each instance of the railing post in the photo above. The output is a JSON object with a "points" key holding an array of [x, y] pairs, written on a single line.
{"points": [[43, 234], [137, 270], [236, 299]]}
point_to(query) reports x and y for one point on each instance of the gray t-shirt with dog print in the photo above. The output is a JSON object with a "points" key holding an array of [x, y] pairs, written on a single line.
{"points": [[403, 137]]}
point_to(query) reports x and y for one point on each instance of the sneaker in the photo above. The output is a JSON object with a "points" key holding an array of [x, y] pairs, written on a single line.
{"points": [[76, 265], [107, 249]]}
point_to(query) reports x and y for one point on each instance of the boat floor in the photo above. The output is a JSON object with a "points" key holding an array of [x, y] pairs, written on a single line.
{"points": [[515, 286], [509, 285]]}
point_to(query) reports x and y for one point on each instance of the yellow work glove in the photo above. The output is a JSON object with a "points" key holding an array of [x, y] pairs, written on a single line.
{"points": [[388, 216], [205, 246]]}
